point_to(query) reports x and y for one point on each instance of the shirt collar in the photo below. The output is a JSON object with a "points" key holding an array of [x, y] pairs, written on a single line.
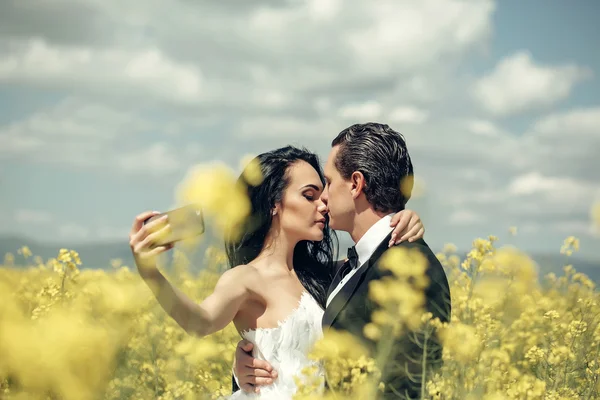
{"points": [[367, 244]]}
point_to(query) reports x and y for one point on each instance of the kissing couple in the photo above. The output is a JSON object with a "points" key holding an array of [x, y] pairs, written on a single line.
{"points": [[284, 288]]}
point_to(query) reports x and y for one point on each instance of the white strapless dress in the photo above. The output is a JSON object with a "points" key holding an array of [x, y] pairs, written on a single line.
{"points": [[286, 348]]}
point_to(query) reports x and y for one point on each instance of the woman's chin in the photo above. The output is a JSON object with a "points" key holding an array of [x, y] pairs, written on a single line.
{"points": [[318, 236]]}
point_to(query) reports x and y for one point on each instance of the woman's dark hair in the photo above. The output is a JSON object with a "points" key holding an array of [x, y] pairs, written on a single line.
{"points": [[313, 261]]}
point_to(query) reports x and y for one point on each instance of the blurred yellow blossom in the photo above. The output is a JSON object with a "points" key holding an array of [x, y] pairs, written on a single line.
{"points": [[25, 252], [216, 190], [87, 334], [570, 245], [251, 170], [595, 215]]}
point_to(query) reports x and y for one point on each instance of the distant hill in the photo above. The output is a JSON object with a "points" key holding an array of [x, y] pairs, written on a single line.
{"points": [[99, 255], [93, 255]]}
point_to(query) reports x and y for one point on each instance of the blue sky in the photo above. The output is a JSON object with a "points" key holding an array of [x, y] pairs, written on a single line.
{"points": [[104, 107]]}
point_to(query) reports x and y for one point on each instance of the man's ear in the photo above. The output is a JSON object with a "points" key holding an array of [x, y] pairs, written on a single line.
{"points": [[357, 182]]}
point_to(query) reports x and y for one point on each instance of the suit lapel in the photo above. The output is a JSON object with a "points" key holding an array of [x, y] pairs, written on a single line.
{"points": [[336, 279], [338, 303]]}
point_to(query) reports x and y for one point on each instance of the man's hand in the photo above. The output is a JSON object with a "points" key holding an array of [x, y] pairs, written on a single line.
{"points": [[250, 372]]}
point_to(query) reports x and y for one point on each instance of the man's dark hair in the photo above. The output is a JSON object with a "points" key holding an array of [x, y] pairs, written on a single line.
{"points": [[381, 155]]}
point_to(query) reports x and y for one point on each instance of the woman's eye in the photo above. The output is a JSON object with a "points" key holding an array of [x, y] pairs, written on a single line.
{"points": [[309, 197]]}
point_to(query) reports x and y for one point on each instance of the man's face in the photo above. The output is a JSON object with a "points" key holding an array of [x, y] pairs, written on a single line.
{"points": [[337, 195]]}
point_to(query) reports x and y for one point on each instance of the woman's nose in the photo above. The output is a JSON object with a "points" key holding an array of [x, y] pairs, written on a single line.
{"points": [[322, 208]]}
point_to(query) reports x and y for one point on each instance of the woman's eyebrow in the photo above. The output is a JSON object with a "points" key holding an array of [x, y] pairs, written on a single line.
{"points": [[312, 186]]}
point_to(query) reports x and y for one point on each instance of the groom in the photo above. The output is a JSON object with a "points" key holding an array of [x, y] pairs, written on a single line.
{"points": [[369, 178]]}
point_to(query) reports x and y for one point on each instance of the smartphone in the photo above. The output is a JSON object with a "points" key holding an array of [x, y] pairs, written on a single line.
{"points": [[186, 222]]}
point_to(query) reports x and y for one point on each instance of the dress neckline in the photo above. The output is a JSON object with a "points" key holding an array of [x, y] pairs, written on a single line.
{"points": [[305, 295]]}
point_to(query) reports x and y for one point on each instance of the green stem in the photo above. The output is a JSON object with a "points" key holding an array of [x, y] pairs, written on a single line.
{"points": [[424, 364]]}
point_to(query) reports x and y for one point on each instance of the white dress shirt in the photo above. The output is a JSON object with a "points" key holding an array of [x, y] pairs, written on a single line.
{"points": [[365, 248]]}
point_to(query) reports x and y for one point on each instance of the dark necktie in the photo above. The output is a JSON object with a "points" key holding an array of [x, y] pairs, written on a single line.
{"points": [[352, 261]]}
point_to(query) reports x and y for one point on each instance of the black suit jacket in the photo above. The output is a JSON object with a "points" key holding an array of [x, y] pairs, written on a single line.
{"points": [[350, 310]]}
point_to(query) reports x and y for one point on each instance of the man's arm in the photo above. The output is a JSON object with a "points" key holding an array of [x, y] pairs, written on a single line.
{"points": [[404, 368]]}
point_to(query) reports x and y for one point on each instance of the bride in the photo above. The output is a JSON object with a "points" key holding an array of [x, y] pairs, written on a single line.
{"points": [[281, 268]]}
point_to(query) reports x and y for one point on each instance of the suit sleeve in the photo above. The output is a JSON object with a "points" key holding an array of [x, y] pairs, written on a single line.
{"points": [[234, 382], [403, 372]]}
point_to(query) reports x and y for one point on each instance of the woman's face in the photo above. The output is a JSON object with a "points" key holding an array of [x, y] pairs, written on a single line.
{"points": [[301, 212]]}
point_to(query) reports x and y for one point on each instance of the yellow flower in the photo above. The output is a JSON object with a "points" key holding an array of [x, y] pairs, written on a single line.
{"points": [[510, 337], [216, 190], [251, 170], [570, 245], [595, 215], [25, 252]]}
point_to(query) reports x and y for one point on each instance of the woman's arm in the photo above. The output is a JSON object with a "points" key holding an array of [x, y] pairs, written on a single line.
{"points": [[214, 313], [206, 318]]}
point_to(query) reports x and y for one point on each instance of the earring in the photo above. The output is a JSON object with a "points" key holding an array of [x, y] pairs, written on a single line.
{"points": [[273, 212]]}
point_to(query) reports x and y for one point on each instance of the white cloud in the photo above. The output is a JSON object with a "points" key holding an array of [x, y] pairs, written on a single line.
{"points": [[369, 110], [567, 192], [534, 182], [77, 133], [27, 216], [272, 73], [287, 128], [247, 55], [518, 84], [392, 34], [485, 128], [70, 121], [408, 115], [324, 10], [466, 217], [573, 227], [111, 233], [566, 144], [570, 193], [72, 231], [117, 71], [579, 122], [155, 159]]}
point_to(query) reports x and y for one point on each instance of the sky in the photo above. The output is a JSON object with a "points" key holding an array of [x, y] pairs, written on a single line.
{"points": [[106, 105]]}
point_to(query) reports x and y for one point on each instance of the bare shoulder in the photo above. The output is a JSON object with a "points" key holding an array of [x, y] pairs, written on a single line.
{"points": [[245, 274], [241, 274]]}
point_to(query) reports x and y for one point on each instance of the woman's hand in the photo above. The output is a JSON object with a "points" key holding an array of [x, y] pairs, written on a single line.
{"points": [[142, 239], [407, 224]]}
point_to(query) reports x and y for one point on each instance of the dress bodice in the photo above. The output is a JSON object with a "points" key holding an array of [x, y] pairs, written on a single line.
{"points": [[286, 348]]}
